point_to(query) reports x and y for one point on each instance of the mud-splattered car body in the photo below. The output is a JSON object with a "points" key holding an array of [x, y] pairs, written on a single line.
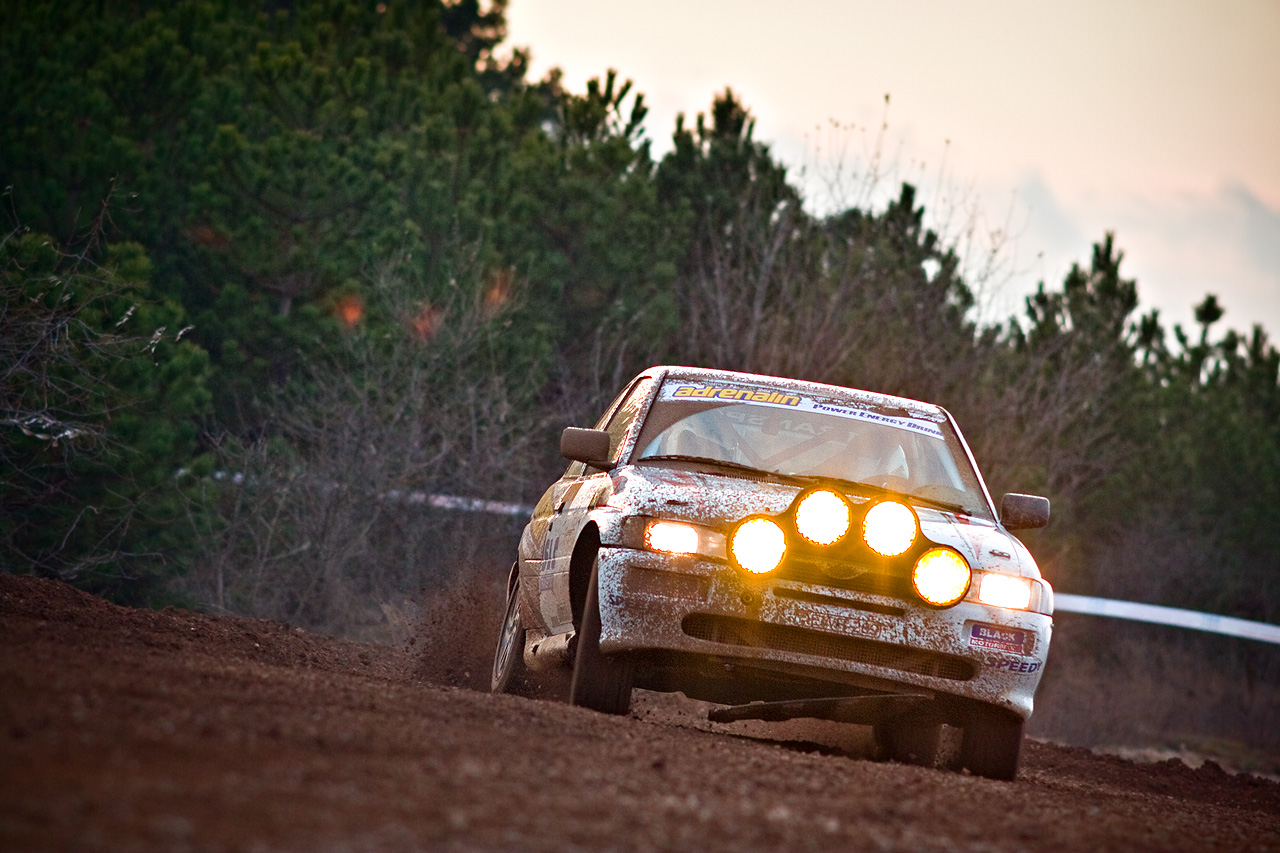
{"points": [[681, 551]]}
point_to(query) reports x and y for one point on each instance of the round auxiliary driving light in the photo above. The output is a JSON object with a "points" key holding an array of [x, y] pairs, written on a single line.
{"points": [[758, 545], [941, 577], [823, 517], [889, 528]]}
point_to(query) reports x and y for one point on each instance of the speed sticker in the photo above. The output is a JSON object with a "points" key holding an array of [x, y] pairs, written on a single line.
{"points": [[1000, 639]]}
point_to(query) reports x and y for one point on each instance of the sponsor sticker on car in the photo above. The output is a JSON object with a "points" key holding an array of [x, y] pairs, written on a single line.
{"points": [[1023, 666], [696, 392], [995, 637]]}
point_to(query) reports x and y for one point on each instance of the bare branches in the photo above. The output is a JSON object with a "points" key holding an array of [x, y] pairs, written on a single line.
{"points": [[83, 348], [318, 532], [45, 340]]}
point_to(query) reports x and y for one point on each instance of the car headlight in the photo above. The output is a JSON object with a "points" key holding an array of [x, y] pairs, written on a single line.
{"points": [[941, 577], [1005, 591], [758, 545], [823, 517], [889, 528], [677, 538], [671, 537]]}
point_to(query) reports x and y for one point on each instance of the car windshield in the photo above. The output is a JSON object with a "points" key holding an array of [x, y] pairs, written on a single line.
{"points": [[787, 433]]}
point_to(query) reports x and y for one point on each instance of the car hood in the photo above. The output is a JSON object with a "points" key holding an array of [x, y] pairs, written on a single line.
{"points": [[721, 499]]}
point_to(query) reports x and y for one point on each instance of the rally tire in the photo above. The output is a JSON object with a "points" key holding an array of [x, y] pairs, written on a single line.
{"points": [[992, 743], [908, 741], [600, 682], [509, 672]]}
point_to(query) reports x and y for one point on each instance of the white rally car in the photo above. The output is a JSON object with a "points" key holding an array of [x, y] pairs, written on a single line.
{"points": [[784, 549]]}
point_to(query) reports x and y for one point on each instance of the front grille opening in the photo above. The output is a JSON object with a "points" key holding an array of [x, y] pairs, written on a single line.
{"points": [[819, 598], [784, 638], [872, 582]]}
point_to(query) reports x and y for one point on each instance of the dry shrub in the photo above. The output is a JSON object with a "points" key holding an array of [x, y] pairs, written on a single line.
{"points": [[327, 521]]}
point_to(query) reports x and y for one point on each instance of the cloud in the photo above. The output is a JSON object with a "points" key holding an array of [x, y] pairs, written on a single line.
{"points": [[1179, 247], [1226, 243], [1259, 231], [1050, 227]]}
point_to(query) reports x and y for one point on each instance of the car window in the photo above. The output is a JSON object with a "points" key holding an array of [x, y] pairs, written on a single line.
{"points": [[614, 406], [617, 420], [625, 414], [793, 435]]}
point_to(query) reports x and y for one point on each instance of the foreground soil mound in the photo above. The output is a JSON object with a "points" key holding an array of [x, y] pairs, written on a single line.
{"points": [[138, 730]]}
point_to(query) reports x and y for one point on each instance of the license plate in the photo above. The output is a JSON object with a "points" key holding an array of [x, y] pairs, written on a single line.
{"points": [[1000, 639]]}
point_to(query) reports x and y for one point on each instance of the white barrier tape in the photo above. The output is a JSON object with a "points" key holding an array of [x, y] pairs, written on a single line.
{"points": [[460, 503], [476, 505], [1150, 613], [439, 501], [1157, 615]]}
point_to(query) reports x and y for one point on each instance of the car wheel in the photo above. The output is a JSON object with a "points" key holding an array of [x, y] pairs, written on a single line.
{"points": [[992, 744], [600, 682], [908, 741], [509, 672]]}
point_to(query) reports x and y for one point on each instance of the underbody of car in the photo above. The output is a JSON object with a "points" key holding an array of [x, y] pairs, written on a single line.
{"points": [[784, 549]]}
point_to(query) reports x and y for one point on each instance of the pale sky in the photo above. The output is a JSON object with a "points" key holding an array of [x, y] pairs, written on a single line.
{"points": [[1053, 122]]}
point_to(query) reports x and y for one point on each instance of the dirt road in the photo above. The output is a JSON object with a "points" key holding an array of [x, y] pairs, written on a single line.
{"points": [[138, 730]]}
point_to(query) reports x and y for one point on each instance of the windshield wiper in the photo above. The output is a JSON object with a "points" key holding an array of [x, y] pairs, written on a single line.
{"points": [[852, 485], [735, 466], [947, 505], [858, 485]]}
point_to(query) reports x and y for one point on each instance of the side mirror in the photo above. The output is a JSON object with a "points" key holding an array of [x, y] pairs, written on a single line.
{"points": [[1023, 512], [586, 445]]}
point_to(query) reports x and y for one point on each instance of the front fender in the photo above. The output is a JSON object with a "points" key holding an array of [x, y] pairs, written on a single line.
{"points": [[608, 521]]}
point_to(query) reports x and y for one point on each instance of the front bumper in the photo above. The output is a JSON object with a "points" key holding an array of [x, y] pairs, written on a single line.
{"points": [[656, 602]]}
